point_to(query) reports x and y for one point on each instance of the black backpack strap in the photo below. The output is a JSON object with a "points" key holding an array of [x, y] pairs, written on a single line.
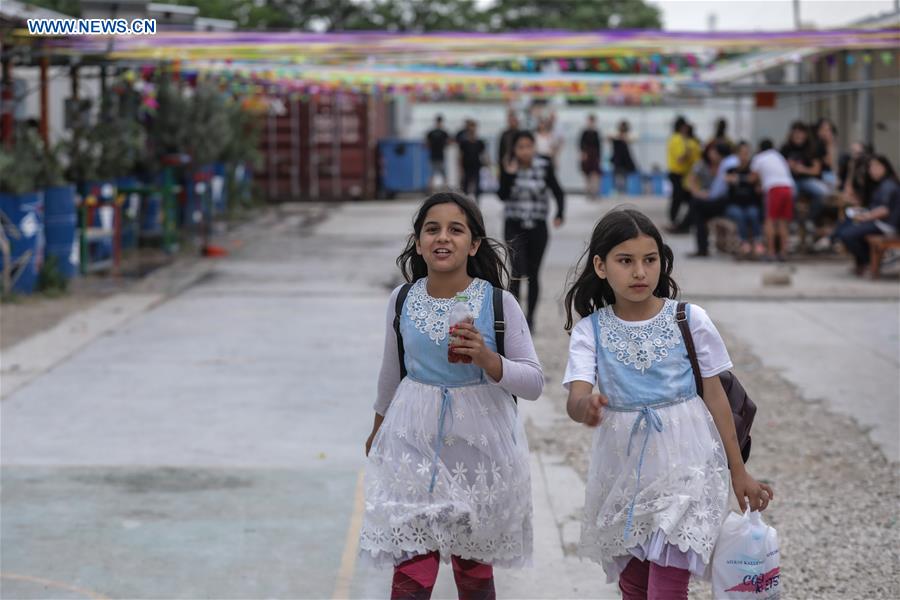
{"points": [[499, 323], [398, 310], [684, 326], [500, 326]]}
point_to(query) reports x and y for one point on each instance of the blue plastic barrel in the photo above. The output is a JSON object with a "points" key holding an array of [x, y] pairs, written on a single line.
{"points": [[406, 165], [60, 226], [633, 184], [151, 213], [607, 182], [658, 183], [23, 216]]}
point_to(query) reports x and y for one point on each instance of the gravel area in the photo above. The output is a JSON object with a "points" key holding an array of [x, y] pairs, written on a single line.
{"points": [[837, 496]]}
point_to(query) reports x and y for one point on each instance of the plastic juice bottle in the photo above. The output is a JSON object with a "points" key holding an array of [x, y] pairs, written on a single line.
{"points": [[459, 313]]}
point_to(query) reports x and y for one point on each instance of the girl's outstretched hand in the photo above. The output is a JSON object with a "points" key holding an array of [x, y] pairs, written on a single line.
{"points": [[593, 409], [750, 492]]}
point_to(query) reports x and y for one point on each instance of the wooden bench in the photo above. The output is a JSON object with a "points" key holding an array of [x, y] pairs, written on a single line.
{"points": [[878, 245]]}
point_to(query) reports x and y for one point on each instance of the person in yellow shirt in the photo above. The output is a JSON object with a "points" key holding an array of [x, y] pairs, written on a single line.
{"points": [[695, 150], [678, 157]]}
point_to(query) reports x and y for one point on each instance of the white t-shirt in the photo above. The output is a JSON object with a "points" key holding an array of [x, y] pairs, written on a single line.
{"points": [[543, 144], [773, 169], [711, 352]]}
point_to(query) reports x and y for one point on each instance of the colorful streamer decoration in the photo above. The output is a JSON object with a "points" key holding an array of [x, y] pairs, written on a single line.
{"points": [[618, 66]]}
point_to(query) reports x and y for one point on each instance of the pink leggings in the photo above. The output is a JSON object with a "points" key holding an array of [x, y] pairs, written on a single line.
{"points": [[414, 579], [644, 580]]}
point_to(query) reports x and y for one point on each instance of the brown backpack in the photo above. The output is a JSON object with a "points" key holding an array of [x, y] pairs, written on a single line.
{"points": [[742, 407]]}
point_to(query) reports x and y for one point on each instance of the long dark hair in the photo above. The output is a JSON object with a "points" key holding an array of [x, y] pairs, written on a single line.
{"points": [[721, 128], [869, 185], [889, 172], [589, 293], [489, 262]]}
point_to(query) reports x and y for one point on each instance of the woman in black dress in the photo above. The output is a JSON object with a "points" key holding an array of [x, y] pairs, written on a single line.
{"points": [[623, 164]]}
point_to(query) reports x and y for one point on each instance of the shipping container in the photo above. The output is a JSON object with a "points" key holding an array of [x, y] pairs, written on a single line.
{"points": [[322, 148]]}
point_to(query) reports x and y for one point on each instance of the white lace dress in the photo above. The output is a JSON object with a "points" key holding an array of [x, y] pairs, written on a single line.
{"points": [[658, 482], [449, 467]]}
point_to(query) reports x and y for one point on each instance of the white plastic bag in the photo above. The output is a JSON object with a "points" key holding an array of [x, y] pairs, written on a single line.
{"points": [[745, 562]]}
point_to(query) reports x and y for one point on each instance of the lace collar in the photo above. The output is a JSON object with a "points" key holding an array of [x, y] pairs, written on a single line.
{"points": [[641, 343], [431, 315]]}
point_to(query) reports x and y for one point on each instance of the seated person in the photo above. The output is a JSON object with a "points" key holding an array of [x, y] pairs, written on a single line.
{"points": [[744, 204], [805, 160], [709, 191], [881, 217]]}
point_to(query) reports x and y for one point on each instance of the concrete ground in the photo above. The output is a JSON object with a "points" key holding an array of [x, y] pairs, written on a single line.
{"points": [[204, 440]]}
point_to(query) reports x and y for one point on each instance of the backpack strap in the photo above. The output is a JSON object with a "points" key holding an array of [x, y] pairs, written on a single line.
{"points": [[681, 317], [499, 323], [398, 310], [500, 326]]}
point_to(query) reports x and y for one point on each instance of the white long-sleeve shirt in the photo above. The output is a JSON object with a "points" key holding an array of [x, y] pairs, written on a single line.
{"points": [[522, 373]]}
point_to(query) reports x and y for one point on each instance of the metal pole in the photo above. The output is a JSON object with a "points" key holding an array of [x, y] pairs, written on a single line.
{"points": [[273, 155], [295, 148], [45, 119], [797, 14], [314, 148], [336, 145], [6, 103], [867, 106]]}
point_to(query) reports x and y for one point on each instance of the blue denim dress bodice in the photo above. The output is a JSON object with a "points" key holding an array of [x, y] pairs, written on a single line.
{"points": [[642, 363], [424, 326]]}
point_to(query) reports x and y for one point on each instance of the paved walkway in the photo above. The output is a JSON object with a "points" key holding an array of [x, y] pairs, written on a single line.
{"points": [[209, 444]]}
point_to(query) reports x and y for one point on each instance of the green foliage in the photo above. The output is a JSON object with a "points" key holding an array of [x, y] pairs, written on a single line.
{"points": [[51, 281], [432, 15], [208, 131], [22, 164], [171, 127], [51, 172], [109, 148], [204, 122], [67, 7], [243, 140], [577, 15]]}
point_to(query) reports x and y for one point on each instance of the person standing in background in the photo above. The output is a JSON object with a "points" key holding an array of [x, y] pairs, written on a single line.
{"points": [[543, 139], [556, 139], [526, 182], [437, 140], [505, 144], [472, 158], [678, 159], [591, 156], [622, 162], [721, 135]]}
